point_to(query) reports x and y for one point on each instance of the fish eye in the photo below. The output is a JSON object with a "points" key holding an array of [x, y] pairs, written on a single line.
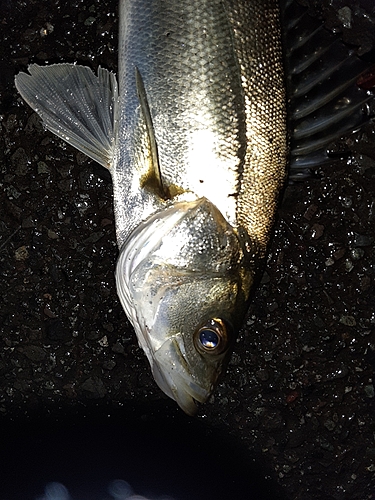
{"points": [[211, 337]]}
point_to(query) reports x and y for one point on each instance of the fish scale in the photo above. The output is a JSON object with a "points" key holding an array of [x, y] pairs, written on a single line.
{"points": [[261, 67]]}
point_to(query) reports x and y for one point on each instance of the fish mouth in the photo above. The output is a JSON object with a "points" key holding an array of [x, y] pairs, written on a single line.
{"points": [[183, 392], [174, 379]]}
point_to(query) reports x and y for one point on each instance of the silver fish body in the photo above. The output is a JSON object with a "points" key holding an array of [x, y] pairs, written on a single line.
{"points": [[212, 73], [197, 149]]}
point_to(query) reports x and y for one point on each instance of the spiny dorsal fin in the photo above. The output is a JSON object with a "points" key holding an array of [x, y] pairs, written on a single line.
{"points": [[156, 172]]}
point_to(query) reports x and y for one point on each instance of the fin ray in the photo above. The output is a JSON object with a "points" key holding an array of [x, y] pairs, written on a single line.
{"points": [[76, 105], [325, 101]]}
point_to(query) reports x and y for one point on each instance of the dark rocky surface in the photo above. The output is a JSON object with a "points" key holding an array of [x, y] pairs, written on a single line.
{"points": [[293, 417]]}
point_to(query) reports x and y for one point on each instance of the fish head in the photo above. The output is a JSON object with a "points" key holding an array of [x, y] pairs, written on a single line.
{"points": [[183, 278]]}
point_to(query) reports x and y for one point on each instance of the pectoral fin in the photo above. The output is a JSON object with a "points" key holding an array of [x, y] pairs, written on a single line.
{"points": [[76, 105]]}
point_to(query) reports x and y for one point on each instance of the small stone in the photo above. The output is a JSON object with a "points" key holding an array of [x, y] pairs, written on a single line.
{"points": [[357, 253], [46, 30], [109, 365], [339, 253], [89, 21], [21, 253], [118, 348], [329, 424], [28, 222], [34, 123], [235, 360], [33, 352], [317, 231], [94, 388], [70, 390], [272, 307], [93, 238], [105, 222], [10, 123], [348, 320], [262, 375], [337, 372], [369, 390], [362, 240], [345, 16], [52, 235], [12, 192], [65, 185], [50, 314], [349, 265], [310, 212], [20, 162], [43, 168], [292, 396], [103, 341]]}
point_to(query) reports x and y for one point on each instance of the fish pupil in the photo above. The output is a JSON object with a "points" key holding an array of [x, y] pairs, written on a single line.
{"points": [[209, 338]]}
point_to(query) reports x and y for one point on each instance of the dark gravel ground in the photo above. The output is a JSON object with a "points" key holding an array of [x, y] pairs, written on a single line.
{"points": [[294, 416]]}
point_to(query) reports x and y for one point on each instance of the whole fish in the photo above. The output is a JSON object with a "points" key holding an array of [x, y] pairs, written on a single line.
{"points": [[194, 134], [195, 140]]}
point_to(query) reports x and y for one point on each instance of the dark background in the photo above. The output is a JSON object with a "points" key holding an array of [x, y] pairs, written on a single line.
{"points": [[293, 417]]}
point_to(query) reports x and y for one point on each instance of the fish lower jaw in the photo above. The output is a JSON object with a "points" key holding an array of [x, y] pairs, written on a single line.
{"points": [[186, 393]]}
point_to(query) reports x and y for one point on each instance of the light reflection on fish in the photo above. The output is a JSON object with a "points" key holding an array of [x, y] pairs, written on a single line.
{"points": [[195, 138]]}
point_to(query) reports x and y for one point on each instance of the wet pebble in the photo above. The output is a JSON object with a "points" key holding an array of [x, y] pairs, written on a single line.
{"points": [[93, 388], [33, 353]]}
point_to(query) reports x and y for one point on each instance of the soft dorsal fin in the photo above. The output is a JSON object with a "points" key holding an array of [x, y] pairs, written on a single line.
{"points": [[76, 105], [155, 175]]}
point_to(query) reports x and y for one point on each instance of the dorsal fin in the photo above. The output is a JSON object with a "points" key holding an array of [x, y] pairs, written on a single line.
{"points": [[325, 101], [155, 175]]}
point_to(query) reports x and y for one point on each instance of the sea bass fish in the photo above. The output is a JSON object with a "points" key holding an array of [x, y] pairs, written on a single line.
{"points": [[194, 134]]}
